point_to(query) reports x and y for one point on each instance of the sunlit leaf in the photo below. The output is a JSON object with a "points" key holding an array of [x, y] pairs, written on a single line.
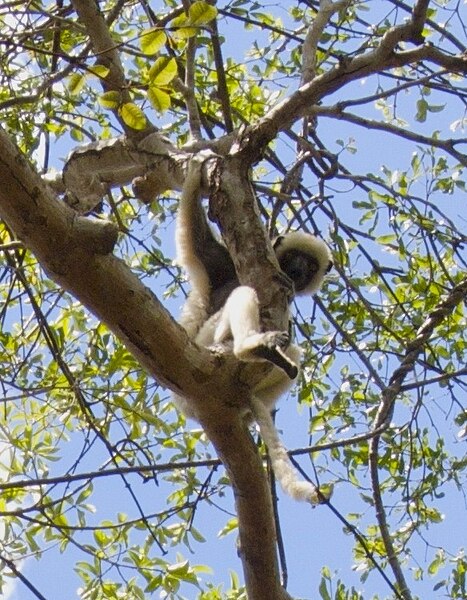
{"points": [[180, 27], [159, 99], [76, 83], [201, 13], [133, 116], [152, 40], [229, 527], [109, 99], [181, 567], [100, 71], [422, 108], [163, 71]]}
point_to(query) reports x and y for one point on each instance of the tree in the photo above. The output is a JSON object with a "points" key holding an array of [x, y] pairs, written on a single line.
{"points": [[346, 117]]}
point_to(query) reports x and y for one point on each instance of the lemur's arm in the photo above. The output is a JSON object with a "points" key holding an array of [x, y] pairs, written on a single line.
{"points": [[206, 261]]}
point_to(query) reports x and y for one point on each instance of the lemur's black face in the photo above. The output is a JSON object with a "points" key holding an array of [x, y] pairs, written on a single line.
{"points": [[300, 267]]}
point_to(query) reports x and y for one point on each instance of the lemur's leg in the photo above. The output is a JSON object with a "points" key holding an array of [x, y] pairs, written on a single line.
{"points": [[240, 318], [277, 382]]}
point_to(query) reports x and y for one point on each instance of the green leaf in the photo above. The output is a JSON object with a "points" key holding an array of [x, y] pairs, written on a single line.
{"points": [[109, 99], [99, 71], [163, 71], [76, 83], [197, 536], [152, 40], [323, 591], [435, 108], [179, 568], [159, 99], [181, 29], [133, 116], [201, 13], [84, 494], [437, 563], [422, 108], [386, 239], [231, 525]]}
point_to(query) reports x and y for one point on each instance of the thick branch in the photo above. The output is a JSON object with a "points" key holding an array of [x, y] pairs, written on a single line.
{"points": [[153, 165], [116, 296], [93, 169], [233, 206], [222, 88], [227, 431], [419, 13], [75, 252], [189, 88], [443, 29]]}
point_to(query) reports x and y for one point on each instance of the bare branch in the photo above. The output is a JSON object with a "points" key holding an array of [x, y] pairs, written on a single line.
{"points": [[440, 28], [326, 9], [335, 112], [419, 13], [104, 46], [17, 573], [382, 58], [222, 89], [192, 107]]}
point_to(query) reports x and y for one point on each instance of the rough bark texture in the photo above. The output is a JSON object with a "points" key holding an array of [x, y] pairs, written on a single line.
{"points": [[233, 206], [75, 252]]}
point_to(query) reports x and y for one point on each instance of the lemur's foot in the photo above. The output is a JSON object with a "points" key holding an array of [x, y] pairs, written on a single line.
{"points": [[268, 346]]}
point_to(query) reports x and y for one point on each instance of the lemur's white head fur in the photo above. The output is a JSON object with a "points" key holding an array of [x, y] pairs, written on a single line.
{"points": [[307, 254]]}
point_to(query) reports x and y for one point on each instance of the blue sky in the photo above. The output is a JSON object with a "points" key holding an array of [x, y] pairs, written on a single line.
{"points": [[313, 537]]}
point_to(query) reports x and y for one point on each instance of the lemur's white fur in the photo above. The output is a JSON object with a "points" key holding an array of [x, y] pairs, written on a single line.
{"points": [[195, 310], [238, 319], [284, 471], [299, 240]]}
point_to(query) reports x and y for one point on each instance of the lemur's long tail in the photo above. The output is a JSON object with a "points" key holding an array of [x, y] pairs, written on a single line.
{"points": [[283, 469]]}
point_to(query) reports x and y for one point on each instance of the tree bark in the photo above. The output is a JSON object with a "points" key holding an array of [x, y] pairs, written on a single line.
{"points": [[75, 251]]}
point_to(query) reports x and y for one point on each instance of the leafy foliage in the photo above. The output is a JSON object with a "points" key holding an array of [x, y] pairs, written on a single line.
{"points": [[95, 462]]}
